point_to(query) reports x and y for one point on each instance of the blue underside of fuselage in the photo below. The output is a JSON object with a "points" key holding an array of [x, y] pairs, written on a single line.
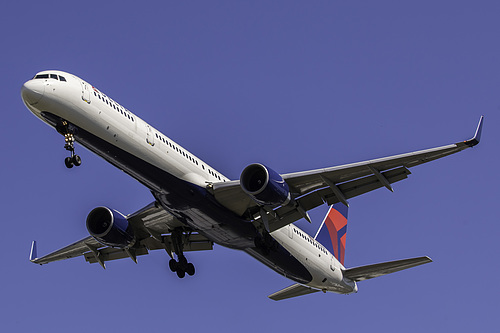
{"points": [[192, 205]]}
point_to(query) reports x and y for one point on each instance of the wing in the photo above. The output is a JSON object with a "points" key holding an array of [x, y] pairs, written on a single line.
{"points": [[336, 184], [152, 226]]}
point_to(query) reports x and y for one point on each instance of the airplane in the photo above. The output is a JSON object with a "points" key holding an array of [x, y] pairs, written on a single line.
{"points": [[195, 206]]}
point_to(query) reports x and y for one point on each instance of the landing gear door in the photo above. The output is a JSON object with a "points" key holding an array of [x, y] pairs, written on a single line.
{"points": [[85, 92]]}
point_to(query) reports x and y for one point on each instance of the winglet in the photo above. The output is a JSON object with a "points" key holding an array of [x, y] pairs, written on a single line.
{"points": [[477, 137], [33, 254]]}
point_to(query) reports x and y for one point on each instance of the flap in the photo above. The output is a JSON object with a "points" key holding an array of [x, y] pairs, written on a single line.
{"points": [[153, 219], [195, 242]]}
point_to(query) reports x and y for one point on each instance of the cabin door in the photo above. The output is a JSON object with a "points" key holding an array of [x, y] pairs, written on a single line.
{"points": [[150, 136], [85, 92]]}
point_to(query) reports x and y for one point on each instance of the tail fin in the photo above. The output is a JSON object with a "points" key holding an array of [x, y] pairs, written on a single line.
{"points": [[333, 230]]}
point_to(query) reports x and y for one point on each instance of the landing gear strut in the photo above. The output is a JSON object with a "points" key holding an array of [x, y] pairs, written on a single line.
{"points": [[69, 139], [182, 266]]}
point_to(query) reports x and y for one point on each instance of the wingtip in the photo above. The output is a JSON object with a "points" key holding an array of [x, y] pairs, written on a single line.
{"points": [[477, 136], [33, 252]]}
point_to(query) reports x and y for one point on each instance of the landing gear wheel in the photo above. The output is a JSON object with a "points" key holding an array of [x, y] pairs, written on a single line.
{"points": [[181, 274], [172, 264], [69, 162], [77, 161], [190, 269]]}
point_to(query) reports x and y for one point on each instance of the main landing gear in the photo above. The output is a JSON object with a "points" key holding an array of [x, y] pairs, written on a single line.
{"points": [[69, 139], [182, 266]]}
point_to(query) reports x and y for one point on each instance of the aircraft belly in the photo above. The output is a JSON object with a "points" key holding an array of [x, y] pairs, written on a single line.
{"points": [[191, 204], [283, 263]]}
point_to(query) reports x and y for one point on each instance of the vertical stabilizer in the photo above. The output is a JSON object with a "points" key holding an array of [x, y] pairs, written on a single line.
{"points": [[332, 232]]}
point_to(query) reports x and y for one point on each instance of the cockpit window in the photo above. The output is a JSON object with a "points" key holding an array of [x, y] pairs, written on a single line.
{"points": [[50, 76]]}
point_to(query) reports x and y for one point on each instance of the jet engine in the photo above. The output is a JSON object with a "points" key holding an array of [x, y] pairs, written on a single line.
{"points": [[109, 227], [264, 185]]}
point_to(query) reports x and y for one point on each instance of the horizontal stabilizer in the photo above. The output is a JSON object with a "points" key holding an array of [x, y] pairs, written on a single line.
{"points": [[292, 291], [376, 270]]}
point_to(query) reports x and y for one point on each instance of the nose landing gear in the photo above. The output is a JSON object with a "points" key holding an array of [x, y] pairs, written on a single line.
{"points": [[69, 139]]}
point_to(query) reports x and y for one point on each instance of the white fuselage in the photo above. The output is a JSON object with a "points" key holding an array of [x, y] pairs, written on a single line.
{"points": [[117, 129]]}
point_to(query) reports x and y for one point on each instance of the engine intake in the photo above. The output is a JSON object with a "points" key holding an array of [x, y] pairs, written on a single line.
{"points": [[264, 185], [109, 227]]}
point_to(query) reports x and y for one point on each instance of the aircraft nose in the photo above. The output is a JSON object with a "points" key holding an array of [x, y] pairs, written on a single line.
{"points": [[32, 91]]}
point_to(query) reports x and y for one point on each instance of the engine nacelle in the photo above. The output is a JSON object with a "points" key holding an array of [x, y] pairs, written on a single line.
{"points": [[264, 185], [110, 228]]}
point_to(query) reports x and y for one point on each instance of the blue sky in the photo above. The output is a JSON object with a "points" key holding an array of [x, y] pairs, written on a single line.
{"points": [[295, 85]]}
